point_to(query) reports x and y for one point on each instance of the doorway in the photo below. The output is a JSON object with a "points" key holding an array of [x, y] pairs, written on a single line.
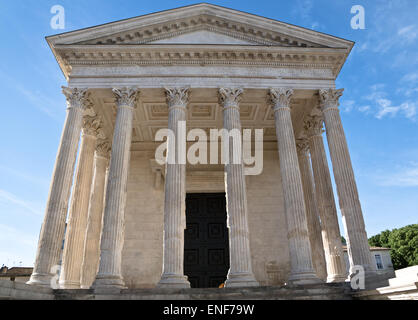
{"points": [[206, 246]]}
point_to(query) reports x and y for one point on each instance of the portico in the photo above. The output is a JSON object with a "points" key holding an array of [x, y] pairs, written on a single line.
{"points": [[208, 67]]}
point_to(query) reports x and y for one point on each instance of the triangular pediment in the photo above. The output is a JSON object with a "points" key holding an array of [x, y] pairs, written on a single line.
{"points": [[200, 24], [200, 34]]}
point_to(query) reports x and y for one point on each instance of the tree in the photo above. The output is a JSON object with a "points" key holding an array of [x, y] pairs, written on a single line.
{"points": [[403, 243], [343, 241]]}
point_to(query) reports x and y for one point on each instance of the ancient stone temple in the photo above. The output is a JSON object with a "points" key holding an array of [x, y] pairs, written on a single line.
{"points": [[130, 221]]}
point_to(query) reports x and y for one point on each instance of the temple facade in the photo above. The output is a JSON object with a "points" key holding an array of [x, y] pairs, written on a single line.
{"points": [[129, 220]]}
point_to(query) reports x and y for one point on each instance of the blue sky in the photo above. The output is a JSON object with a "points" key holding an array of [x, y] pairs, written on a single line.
{"points": [[379, 107]]}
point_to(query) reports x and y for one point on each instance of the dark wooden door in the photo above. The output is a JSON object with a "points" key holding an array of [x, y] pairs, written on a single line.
{"points": [[206, 247]]}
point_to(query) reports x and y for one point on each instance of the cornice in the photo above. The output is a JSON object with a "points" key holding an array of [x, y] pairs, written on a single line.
{"points": [[231, 55]]}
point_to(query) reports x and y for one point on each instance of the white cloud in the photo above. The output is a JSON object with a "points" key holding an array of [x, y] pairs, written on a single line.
{"points": [[410, 77], [7, 197], [364, 109], [40, 101], [347, 105], [409, 109], [405, 177], [386, 108], [24, 176], [408, 33]]}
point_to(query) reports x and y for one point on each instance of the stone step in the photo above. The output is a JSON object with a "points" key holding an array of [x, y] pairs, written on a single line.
{"points": [[409, 273], [317, 292]]}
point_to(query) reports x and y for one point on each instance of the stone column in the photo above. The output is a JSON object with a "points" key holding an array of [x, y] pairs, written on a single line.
{"points": [[95, 217], [357, 244], [111, 243], [76, 226], [331, 236], [52, 232], [301, 268], [240, 272], [312, 214], [175, 192]]}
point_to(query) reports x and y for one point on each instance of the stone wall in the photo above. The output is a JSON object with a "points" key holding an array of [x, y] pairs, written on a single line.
{"points": [[144, 214], [267, 223]]}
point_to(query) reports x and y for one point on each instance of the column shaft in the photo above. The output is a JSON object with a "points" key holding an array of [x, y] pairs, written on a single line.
{"points": [[325, 196], [95, 217], [175, 193], [357, 243], [76, 227], [240, 272], [312, 214], [52, 232], [301, 268], [111, 244]]}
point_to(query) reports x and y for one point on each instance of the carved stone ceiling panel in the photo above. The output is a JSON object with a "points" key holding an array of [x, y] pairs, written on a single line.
{"points": [[151, 113]]}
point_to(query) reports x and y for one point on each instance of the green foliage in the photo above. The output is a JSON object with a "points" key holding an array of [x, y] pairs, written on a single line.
{"points": [[343, 241], [403, 243]]}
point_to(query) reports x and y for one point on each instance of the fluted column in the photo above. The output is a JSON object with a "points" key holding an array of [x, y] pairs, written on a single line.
{"points": [[52, 232], [240, 271], [175, 192], [301, 268], [76, 226], [312, 214], [331, 236], [357, 244], [94, 224], [111, 243]]}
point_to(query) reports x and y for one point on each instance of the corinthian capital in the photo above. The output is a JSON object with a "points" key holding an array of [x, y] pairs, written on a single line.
{"points": [[126, 96], [230, 97], [302, 144], [280, 97], [328, 98], [103, 148], [313, 125], [76, 97], [177, 97], [92, 125]]}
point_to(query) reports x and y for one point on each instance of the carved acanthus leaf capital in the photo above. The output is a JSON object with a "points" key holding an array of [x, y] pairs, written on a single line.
{"points": [[103, 148], [92, 125], [328, 98], [126, 96], [313, 125], [177, 97], [76, 97], [280, 97], [230, 97], [302, 144]]}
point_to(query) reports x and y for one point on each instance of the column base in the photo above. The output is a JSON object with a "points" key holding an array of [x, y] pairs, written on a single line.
{"points": [[372, 279], [69, 284], [38, 279], [108, 282], [241, 280], [173, 281], [336, 278], [303, 278]]}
